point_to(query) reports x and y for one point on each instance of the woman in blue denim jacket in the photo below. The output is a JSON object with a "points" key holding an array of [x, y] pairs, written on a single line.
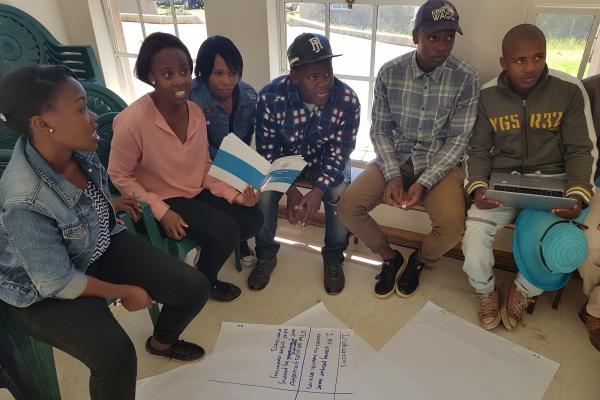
{"points": [[228, 103], [62, 254]]}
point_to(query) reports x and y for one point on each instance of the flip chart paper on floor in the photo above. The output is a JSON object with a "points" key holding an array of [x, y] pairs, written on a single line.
{"points": [[282, 362], [449, 358]]}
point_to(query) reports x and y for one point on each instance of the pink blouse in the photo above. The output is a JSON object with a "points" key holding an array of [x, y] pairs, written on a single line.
{"points": [[149, 163]]}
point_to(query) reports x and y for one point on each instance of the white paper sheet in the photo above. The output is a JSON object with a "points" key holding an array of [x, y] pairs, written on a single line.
{"points": [[191, 380], [281, 362], [445, 357], [436, 356]]}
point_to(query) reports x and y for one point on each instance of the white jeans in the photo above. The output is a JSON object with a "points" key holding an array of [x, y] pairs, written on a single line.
{"points": [[481, 228]]}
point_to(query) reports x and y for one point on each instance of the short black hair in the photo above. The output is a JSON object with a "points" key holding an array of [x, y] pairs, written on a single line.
{"points": [[205, 60], [30, 91], [152, 45], [522, 32]]}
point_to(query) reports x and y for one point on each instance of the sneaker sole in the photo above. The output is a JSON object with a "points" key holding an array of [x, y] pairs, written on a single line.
{"points": [[175, 359], [247, 264], [391, 292]]}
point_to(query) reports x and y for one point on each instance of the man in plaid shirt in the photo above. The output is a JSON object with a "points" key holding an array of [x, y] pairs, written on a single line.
{"points": [[307, 112], [424, 109]]}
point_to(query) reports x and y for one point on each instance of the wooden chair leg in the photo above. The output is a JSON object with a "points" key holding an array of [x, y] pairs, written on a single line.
{"points": [[557, 298]]}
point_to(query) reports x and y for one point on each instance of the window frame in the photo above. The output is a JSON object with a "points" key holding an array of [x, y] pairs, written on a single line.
{"points": [[283, 62], [122, 58], [534, 9]]}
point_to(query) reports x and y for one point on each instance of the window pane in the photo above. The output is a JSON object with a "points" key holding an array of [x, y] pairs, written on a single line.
{"points": [[350, 35], [192, 27], [139, 87], [394, 33], [303, 17], [593, 63], [363, 142], [162, 19], [128, 29], [566, 37]]}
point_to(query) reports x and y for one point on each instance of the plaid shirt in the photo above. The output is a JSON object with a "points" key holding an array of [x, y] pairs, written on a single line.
{"points": [[424, 117], [325, 136]]}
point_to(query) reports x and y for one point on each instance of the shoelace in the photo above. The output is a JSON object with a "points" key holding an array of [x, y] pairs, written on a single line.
{"points": [[386, 273], [520, 305], [333, 271], [488, 308]]}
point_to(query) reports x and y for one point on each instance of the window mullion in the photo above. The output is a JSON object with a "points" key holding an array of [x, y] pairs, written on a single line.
{"points": [[375, 28], [141, 16], [588, 46], [174, 18], [327, 22]]}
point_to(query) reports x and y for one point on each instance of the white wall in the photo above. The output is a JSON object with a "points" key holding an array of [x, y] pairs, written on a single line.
{"points": [[245, 22]]}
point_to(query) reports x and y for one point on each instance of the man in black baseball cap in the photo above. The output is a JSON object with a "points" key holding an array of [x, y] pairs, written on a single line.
{"points": [[308, 48], [311, 113]]}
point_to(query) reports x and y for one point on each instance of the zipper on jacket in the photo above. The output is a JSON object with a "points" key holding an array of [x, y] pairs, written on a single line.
{"points": [[526, 147]]}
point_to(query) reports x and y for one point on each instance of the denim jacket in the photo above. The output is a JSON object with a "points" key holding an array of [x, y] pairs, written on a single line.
{"points": [[217, 118], [48, 229]]}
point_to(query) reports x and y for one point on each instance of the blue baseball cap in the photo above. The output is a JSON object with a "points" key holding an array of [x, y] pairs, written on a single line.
{"points": [[437, 15], [547, 248]]}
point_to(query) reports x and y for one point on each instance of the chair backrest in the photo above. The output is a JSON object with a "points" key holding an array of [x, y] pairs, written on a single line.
{"points": [[24, 41]]}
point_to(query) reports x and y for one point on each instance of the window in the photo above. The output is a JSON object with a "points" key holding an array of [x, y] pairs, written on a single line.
{"points": [[134, 20], [572, 38], [384, 31]]}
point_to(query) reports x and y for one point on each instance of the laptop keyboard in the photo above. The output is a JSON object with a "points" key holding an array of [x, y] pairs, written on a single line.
{"points": [[541, 192]]}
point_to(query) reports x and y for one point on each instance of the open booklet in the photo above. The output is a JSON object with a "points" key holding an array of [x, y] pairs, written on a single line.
{"points": [[240, 165]]}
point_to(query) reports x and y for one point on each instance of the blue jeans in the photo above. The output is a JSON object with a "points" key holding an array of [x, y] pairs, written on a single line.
{"points": [[336, 233]]}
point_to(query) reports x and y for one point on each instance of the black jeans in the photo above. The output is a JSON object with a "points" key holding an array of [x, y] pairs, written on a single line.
{"points": [[217, 225], [86, 329]]}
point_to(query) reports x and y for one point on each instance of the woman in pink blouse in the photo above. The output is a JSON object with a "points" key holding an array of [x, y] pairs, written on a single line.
{"points": [[159, 155]]}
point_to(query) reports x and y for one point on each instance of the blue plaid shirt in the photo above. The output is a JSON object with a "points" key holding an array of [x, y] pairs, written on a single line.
{"points": [[325, 136], [425, 117], [217, 118]]}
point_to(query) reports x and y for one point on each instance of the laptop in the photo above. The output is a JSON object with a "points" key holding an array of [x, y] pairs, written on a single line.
{"points": [[529, 191]]}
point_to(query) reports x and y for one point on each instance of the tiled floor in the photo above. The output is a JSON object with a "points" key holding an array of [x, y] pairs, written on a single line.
{"points": [[296, 285]]}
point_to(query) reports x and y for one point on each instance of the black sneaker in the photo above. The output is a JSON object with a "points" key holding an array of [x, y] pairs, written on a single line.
{"points": [[224, 291], [386, 279], [333, 276], [409, 280], [260, 275], [180, 350]]}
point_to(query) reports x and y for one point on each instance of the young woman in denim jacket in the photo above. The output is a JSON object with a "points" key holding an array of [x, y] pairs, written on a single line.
{"points": [[228, 102], [62, 254]]}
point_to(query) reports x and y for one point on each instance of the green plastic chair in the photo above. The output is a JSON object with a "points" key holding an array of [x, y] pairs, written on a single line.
{"points": [[24, 41]]}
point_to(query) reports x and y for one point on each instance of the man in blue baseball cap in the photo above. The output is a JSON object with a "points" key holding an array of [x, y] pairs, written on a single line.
{"points": [[311, 113], [424, 107]]}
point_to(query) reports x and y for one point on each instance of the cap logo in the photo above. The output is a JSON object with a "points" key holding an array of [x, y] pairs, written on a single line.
{"points": [[445, 12], [316, 44]]}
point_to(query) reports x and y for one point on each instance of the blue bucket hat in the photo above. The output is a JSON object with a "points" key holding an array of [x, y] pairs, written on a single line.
{"points": [[547, 248]]}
